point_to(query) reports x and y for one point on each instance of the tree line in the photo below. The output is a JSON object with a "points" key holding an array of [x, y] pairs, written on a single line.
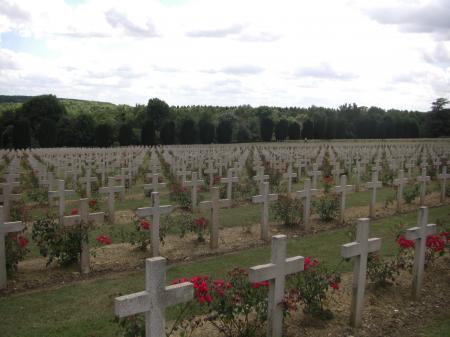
{"points": [[46, 121]]}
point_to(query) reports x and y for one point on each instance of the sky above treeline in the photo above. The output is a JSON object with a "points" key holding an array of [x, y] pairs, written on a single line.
{"points": [[387, 53]]}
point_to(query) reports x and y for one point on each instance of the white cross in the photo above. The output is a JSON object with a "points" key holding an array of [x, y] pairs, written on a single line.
{"points": [[229, 180], [343, 189], [423, 179], [155, 299], [155, 211], [358, 169], [183, 173], [6, 198], [275, 272], [373, 185], [88, 180], [110, 190], [443, 178], [84, 217], [193, 184], [400, 182], [337, 171], [419, 234], [264, 199], [210, 171], [260, 178], [61, 194], [359, 251], [289, 175], [315, 173], [155, 184], [306, 194], [5, 228], [214, 205]]}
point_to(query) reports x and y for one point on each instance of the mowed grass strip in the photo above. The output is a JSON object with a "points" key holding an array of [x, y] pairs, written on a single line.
{"points": [[86, 308]]}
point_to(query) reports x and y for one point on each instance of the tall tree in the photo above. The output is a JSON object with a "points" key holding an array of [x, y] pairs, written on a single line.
{"points": [[21, 137], [294, 131], [40, 108], [46, 134], [85, 126], [206, 131], [158, 112], [148, 133], [126, 136], [281, 130], [308, 129], [187, 131], [266, 129], [167, 134], [104, 134]]}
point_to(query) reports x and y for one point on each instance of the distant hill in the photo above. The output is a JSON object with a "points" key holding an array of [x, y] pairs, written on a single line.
{"points": [[73, 106]]}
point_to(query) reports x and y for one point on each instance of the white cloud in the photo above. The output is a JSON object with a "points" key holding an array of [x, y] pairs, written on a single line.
{"points": [[271, 52]]}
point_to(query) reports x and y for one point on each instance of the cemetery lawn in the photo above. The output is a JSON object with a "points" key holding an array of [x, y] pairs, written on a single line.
{"points": [[439, 327], [85, 308]]}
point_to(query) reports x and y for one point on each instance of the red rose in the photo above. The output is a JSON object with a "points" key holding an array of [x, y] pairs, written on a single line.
{"points": [[74, 211], [201, 222], [104, 240], [334, 285], [22, 241], [404, 243], [92, 203], [145, 224]]}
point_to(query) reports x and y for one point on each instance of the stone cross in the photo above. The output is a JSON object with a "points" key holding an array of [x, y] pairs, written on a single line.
{"points": [[193, 184], [300, 165], [111, 190], [306, 194], [264, 199], [343, 189], [155, 299], [183, 173], [359, 251], [289, 175], [410, 166], [154, 184], [336, 171], [5, 228], [358, 169], [275, 272], [315, 173], [214, 205], [443, 177], [61, 194], [229, 180], [88, 180], [373, 185], [419, 235], [210, 171], [155, 211], [400, 183], [423, 179], [84, 217], [6, 198], [260, 178]]}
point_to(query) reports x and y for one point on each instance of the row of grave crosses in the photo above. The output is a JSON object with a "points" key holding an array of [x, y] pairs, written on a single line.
{"points": [[157, 296]]}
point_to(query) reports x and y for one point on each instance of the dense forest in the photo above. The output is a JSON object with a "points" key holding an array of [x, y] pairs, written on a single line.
{"points": [[46, 121]]}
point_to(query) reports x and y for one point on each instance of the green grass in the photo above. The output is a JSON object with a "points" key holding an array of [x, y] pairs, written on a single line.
{"points": [[86, 308], [439, 327]]}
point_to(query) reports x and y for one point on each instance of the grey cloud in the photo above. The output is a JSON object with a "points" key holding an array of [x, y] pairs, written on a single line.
{"points": [[220, 32], [440, 56], [237, 70], [13, 12], [118, 20], [7, 61], [430, 18], [323, 71]]}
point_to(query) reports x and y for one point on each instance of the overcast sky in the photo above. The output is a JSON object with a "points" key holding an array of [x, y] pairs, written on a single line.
{"points": [[388, 53]]}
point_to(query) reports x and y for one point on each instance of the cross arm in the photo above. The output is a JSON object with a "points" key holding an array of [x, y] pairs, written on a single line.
{"points": [[256, 199], [144, 211], [414, 233], [224, 202], [179, 293], [350, 249], [374, 244], [132, 304], [71, 220], [262, 272], [166, 209], [205, 204], [294, 264], [9, 227]]}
